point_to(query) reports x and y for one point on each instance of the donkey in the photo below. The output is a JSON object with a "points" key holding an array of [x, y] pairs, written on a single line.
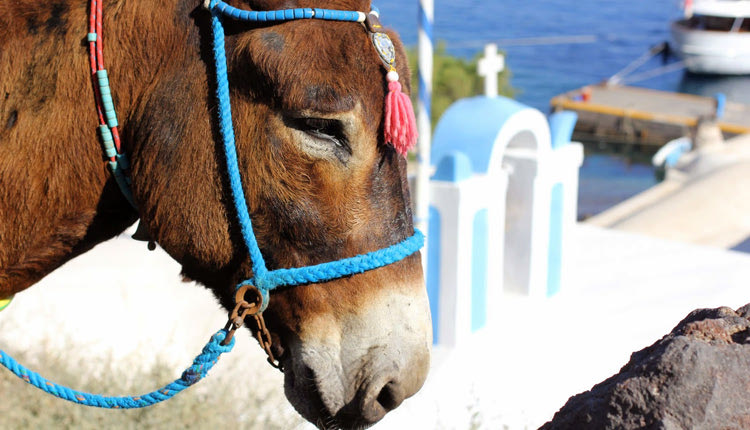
{"points": [[321, 183]]}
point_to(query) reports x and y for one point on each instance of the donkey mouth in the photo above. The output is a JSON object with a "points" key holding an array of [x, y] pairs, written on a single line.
{"points": [[348, 370], [355, 394], [322, 405], [303, 389]]}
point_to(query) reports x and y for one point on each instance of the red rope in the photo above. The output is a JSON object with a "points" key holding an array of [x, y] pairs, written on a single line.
{"points": [[96, 60], [92, 62], [99, 33]]}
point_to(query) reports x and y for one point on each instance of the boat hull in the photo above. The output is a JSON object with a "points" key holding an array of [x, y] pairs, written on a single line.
{"points": [[712, 52]]}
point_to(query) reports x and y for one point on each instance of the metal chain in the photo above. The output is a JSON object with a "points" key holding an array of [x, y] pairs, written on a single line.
{"points": [[249, 302], [264, 338]]}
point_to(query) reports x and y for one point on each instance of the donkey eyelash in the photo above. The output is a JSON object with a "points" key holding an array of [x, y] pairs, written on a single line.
{"points": [[328, 129]]}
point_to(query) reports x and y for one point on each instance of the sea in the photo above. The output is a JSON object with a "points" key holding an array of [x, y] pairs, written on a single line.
{"points": [[554, 46]]}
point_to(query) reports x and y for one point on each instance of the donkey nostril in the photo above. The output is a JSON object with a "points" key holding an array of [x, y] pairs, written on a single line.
{"points": [[381, 401], [390, 397]]}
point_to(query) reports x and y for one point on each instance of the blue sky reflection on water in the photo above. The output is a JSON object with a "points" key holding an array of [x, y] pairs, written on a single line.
{"points": [[622, 31]]}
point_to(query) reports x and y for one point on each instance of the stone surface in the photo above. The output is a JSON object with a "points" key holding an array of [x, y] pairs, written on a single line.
{"points": [[696, 377]]}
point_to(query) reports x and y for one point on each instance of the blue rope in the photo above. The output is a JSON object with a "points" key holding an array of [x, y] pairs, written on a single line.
{"points": [[340, 268], [197, 371], [286, 14], [264, 279], [230, 151]]}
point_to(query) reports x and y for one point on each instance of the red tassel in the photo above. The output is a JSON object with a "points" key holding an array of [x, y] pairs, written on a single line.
{"points": [[400, 123]]}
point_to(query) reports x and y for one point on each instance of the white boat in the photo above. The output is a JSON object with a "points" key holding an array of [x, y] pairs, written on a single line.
{"points": [[714, 36]]}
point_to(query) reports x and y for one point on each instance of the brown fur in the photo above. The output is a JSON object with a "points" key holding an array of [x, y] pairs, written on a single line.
{"points": [[57, 200]]}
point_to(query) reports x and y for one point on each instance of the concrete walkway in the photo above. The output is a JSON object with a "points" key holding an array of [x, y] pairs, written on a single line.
{"points": [[705, 201]]}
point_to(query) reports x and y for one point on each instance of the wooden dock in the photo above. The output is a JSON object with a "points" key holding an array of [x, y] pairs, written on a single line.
{"points": [[630, 115]]}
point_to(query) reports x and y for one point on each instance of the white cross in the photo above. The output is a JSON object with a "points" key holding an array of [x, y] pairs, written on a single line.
{"points": [[489, 66]]}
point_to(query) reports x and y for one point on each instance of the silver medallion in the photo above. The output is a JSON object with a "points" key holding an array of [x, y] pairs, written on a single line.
{"points": [[385, 48]]}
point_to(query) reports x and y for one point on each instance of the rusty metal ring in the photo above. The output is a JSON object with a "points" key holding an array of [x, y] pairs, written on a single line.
{"points": [[249, 299]]}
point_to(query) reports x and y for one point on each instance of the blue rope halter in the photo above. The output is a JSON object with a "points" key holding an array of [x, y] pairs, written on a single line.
{"points": [[263, 279]]}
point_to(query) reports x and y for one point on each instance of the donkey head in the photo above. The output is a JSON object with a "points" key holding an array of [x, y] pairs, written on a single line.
{"points": [[321, 185]]}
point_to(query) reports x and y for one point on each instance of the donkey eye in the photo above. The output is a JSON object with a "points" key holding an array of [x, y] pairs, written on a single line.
{"points": [[327, 129]]}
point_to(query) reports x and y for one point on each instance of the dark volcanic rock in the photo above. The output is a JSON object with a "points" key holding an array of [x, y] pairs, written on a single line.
{"points": [[696, 377]]}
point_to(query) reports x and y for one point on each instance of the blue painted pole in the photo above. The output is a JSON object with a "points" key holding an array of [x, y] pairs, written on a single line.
{"points": [[424, 111]]}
